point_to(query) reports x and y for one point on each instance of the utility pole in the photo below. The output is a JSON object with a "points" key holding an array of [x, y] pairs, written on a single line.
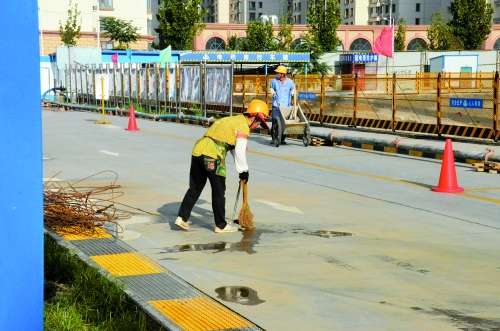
{"points": [[390, 12]]}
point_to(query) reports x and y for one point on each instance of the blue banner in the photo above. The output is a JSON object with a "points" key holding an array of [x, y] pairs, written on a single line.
{"points": [[307, 96], [244, 57], [466, 103], [359, 58]]}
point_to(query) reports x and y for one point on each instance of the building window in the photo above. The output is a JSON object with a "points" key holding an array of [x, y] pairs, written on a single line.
{"points": [[215, 44], [417, 8], [346, 13], [252, 17], [417, 44], [299, 19], [300, 6], [252, 5], [361, 44], [260, 4], [417, 21], [352, 12], [387, 9], [105, 4], [393, 8], [106, 44]]}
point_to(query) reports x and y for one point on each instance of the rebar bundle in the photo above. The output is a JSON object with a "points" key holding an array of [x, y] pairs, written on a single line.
{"points": [[76, 208]]}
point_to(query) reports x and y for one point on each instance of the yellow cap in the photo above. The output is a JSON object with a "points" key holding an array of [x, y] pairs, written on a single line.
{"points": [[281, 70]]}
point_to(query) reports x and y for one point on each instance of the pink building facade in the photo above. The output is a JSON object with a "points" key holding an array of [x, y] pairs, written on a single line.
{"points": [[353, 37]]}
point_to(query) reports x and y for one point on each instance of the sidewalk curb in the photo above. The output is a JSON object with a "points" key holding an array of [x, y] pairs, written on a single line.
{"points": [[169, 299]]}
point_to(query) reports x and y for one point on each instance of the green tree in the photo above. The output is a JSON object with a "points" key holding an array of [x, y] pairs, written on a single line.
{"points": [[285, 35], [471, 21], [260, 37], [120, 31], [309, 44], [400, 36], [70, 30], [323, 18], [179, 21], [440, 35]]}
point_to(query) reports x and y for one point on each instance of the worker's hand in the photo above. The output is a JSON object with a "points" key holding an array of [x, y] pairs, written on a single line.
{"points": [[244, 176]]}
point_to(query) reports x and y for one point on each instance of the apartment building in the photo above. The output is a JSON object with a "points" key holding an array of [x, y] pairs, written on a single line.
{"points": [[379, 12], [244, 11], [217, 11], [51, 13], [496, 11]]}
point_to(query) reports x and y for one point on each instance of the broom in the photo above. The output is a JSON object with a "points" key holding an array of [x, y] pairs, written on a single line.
{"points": [[245, 217]]}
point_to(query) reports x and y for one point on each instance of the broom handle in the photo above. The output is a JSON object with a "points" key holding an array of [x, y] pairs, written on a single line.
{"points": [[236, 202], [245, 193]]}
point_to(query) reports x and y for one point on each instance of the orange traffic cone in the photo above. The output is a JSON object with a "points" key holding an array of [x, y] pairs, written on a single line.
{"points": [[132, 123], [448, 178]]}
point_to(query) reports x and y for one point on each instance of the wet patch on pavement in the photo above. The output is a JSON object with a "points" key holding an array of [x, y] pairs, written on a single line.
{"points": [[323, 233], [402, 264], [339, 263], [239, 294], [463, 321], [246, 244]]}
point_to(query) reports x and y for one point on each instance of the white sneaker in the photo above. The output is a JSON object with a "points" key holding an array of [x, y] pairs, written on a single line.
{"points": [[181, 223], [227, 229]]}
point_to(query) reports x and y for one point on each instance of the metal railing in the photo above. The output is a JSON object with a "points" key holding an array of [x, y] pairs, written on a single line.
{"points": [[464, 104]]}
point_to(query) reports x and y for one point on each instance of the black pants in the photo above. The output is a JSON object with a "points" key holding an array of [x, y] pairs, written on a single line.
{"points": [[198, 175], [275, 114]]}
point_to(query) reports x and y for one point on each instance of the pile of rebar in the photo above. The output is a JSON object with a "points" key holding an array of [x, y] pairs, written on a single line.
{"points": [[77, 208]]}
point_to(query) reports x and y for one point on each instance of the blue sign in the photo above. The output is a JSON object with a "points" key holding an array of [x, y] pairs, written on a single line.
{"points": [[307, 96], [248, 57], [466, 103], [359, 58]]}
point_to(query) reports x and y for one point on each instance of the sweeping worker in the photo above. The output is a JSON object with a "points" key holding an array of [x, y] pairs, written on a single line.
{"points": [[282, 89], [208, 162]]}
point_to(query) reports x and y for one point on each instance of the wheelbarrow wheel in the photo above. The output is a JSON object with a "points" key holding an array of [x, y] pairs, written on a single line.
{"points": [[275, 132], [306, 137]]}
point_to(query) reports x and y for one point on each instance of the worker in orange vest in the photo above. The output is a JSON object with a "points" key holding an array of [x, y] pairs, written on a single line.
{"points": [[208, 162]]}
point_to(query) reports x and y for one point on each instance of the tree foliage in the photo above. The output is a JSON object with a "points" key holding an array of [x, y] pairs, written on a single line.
{"points": [[179, 21], [120, 31], [400, 36], [440, 35], [285, 35], [323, 18], [260, 37], [70, 30], [310, 45], [471, 21]]}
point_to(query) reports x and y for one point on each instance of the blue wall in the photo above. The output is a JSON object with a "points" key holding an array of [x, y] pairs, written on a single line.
{"points": [[21, 236]]}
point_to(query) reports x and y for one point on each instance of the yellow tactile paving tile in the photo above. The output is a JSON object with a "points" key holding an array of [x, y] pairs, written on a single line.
{"points": [[367, 146], [200, 314], [127, 264], [416, 153], [389, 149], [75, 233]]}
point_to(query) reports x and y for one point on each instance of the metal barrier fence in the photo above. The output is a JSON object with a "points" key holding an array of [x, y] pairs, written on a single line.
{"points": [[461, 104]]}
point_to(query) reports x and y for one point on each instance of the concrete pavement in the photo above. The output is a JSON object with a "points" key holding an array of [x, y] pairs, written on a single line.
{"points": [[345, 239]]}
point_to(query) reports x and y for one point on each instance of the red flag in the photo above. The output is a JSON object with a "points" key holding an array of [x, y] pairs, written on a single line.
{"points": [[114, 58], [384, 44]]}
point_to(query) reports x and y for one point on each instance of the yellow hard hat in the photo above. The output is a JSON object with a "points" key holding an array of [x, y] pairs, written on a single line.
{"points": [[281, 70], [258, 107]]}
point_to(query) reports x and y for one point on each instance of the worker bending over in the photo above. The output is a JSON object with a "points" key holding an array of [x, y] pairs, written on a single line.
{"points": [[208, 162]]}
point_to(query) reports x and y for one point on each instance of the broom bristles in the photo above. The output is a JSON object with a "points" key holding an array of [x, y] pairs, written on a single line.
{"points": [[245, 217]]}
